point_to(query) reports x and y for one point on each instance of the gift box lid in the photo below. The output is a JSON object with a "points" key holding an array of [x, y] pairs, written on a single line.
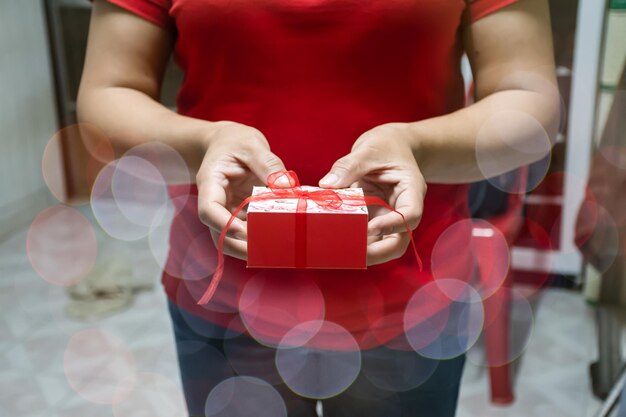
{"points": [[350, 202]]}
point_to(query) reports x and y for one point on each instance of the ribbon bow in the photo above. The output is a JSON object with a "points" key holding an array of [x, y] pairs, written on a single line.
{"points": [[324, 198], [284, 185]]}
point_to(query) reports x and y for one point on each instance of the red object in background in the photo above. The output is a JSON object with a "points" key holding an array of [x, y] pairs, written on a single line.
{"points": [[544, 208], [280, 236]]}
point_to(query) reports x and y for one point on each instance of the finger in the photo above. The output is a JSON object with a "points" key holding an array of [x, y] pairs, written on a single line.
{"points": [[242, 215], [346, 170], [262, 163], [392, 222], [409, 203], [375, 211], [241, 231], [232, 247], [389, 248], [236, 248], [372, 239], [212, 210], [217, 217]]}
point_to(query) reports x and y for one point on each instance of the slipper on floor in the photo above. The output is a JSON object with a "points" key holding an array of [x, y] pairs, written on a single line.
{"points": [[108, 289]]}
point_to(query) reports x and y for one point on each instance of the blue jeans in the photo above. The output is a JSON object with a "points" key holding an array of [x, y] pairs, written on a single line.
{"points": [[391, 383]]}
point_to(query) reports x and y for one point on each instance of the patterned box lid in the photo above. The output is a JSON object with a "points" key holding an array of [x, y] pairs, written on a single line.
{"points": [[289, 205]]}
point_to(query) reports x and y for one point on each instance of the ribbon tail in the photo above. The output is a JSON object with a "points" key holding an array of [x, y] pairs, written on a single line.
{"points": [[300, 234], [375, 201], [219, 270]]}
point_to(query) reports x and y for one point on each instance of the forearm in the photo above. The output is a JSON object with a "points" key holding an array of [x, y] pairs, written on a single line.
{"points": [[130, 117], [124, 66], [499, 133]]}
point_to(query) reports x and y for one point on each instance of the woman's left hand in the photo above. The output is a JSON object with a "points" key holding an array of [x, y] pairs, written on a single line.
{"points": [[382, 163]]}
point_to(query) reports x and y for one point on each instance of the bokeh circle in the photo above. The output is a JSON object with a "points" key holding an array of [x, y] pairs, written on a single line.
{"points": [[99, 366], [61, 245], [107, 212], [270, 306], [139, 189], [315, 372], [444, 319], [474, 251], [244, 396], [525, 139]]}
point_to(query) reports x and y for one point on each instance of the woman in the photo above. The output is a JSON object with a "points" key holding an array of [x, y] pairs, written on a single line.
{"points": [[345, 93]]}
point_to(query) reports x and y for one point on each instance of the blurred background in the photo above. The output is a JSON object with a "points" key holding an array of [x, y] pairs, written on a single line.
{"points": [[82, 310]]}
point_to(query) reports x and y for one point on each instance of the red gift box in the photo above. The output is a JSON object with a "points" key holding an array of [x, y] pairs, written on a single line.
{"points": [[306, 233], [291, 233]]}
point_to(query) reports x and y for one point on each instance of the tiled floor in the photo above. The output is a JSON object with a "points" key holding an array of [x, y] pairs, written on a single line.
{"points": [[34, 336]]}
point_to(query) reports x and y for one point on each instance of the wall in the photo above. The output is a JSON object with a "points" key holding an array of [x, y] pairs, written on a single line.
{"points": [[27, 112]]}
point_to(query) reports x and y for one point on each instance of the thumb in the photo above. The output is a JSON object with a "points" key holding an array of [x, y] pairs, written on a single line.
{"points": [[344, 172], [264, 163]]}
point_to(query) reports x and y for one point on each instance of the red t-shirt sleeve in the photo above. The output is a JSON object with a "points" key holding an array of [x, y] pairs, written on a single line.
{"points": [[477, 9], [155, 11]]}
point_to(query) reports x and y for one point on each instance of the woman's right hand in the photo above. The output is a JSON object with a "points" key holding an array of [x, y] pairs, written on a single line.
{"points": [[237, 157]]}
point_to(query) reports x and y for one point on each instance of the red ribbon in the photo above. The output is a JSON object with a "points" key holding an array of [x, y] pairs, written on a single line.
{"points": [[326, 198]]}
